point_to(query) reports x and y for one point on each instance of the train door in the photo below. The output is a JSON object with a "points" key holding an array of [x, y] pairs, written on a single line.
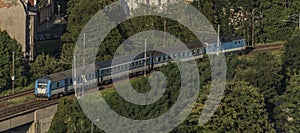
{"points": [[66, 86]]}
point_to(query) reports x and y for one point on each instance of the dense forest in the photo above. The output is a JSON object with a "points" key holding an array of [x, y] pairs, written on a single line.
{"points": [[260, 96], [262, 88]]}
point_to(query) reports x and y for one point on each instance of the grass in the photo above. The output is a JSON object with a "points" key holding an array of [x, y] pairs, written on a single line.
{"points": [[17, 89], [47, 46], [22, 99], [277, 42]]}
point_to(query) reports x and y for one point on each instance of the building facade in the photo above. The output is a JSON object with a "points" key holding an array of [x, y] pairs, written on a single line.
{"points": [[18, 18], [134, 4], [45, 10]]}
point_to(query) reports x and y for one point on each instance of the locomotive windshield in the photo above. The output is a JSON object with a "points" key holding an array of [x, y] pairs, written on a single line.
{"points": [[42, 83], [42, 86]]}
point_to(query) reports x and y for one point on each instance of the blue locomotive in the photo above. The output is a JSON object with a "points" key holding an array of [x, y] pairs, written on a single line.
{"points": [[62, 82]]}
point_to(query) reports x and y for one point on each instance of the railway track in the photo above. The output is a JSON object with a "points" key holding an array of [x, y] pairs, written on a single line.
{"points": [[268, 47], [19, 94], [11, 99], [6, 112]]}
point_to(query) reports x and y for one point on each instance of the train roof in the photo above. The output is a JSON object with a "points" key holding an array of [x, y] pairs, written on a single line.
{"points": [[140, 55], [230, 39], [60, 75], [123, 59]]}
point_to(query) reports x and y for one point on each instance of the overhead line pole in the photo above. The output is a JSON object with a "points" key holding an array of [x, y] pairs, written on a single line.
{"points": [[83, 65], [13, 72], [83, 59], [165, 31], [253, 27], [218, 40], [75, 75], [145, 55]]}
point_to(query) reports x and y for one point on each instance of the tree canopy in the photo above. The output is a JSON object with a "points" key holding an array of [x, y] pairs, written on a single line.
{"points": [[287, 112], [8, 46]]}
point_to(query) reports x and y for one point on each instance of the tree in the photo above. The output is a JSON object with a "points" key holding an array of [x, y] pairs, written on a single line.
{"points": [[78, 17], [287, 113], [242, 109], [263, 72], [70, 118], [44, 65], [291, 56], [7, 46]]}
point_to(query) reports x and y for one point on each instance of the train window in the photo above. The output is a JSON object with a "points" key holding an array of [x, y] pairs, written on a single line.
{"points": [[239, 41], [235, 42], [159, 59], [198, 51], [132, 65], [165, 57], [57, 84], [71, 81], [102, 73], [118, 68], [141, 63], [194, 52], [66, 82], [136, 64]]}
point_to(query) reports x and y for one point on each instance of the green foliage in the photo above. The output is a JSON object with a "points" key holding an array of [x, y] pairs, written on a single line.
{"points": [[246, 107], [242, 109], [44, 65], [287, 113], [291, 57], [70, 118], [125, 108], [263, 71], [78, 16], [7, 46], [109, 46]]}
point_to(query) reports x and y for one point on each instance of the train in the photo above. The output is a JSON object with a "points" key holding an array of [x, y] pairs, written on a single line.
{"points": [[62, 83]]}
